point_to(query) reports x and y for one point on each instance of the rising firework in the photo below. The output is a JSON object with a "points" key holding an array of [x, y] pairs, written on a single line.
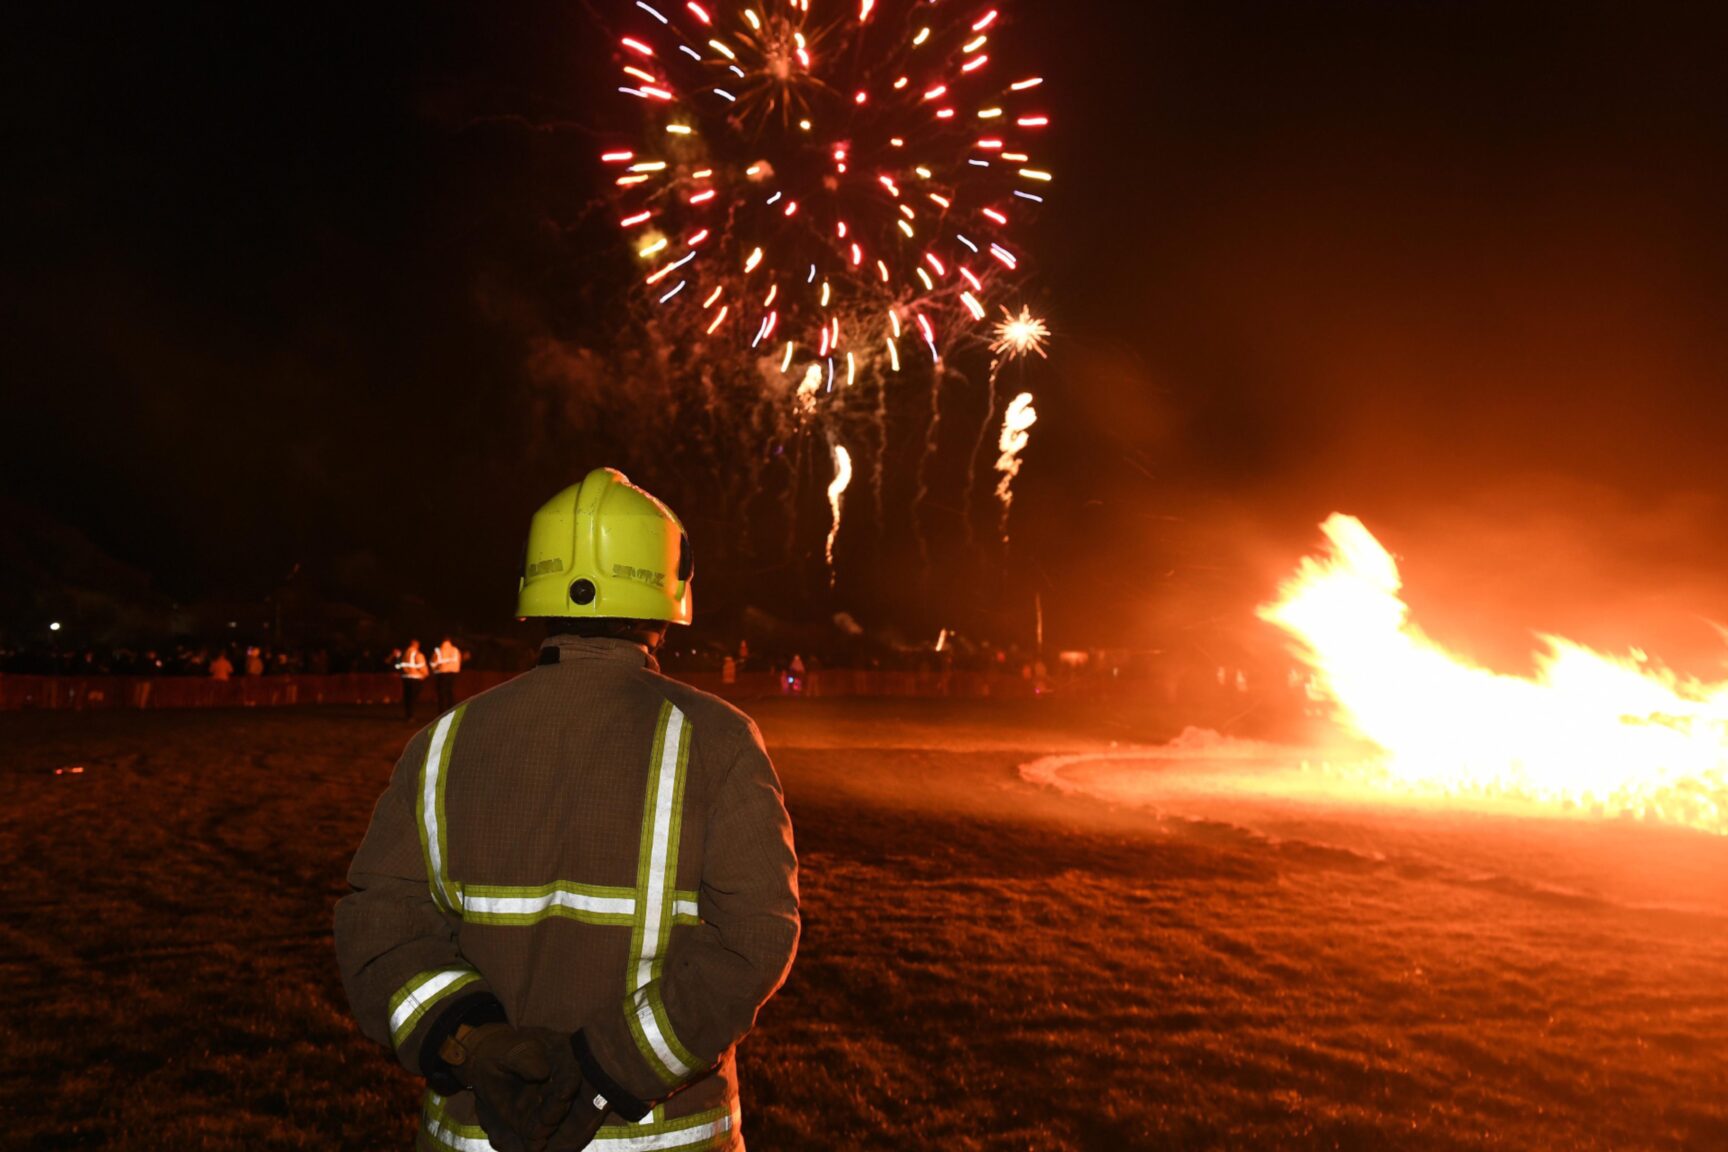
{"points": [[1015, 337], [836, 502], [1016, 434]]}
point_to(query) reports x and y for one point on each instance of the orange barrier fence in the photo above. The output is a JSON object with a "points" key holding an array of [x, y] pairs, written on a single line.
{"points": [[106, 692]]}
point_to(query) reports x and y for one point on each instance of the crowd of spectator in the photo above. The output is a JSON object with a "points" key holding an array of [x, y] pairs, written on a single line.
{"points": [[234, 660], [940, 668], [220, 661], [265, 673]]}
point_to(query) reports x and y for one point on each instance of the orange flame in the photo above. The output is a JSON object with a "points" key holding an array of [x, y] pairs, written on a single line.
{"points": [[1587, 732]]}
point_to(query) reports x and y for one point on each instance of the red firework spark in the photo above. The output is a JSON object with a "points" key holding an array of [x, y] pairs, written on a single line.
{"points": [[825, 180]]}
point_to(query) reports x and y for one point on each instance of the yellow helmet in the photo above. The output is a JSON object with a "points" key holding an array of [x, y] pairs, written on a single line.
{"points": [[605, 548]]}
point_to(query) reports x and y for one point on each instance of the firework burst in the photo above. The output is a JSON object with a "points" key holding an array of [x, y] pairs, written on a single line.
{"points": [[825, 182], [1020, 335]]}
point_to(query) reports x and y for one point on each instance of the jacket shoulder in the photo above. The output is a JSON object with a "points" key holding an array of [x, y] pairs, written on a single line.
{"points": [[708, 714], [517, 688]]}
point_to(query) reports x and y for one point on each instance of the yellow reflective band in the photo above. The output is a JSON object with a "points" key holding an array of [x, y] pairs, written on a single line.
{"points": [[412, 1001], [705, 1130], [656, 876], [434, 838], [440, 1133], [667, 782], [654, 1030], [486, 904], [517, 906]]}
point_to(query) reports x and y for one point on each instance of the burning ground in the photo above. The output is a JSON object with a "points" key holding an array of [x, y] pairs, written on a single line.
{"points": [[1111, 950]]}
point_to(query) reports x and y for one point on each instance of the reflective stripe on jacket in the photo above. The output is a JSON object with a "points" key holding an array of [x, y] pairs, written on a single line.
{"points": [[715, 1129], [601, 849], [412, 665], [446, 658]]}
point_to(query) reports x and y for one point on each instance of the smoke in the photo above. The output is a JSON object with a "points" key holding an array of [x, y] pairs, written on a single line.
{"points": [[921, 479], [1572, 558]]}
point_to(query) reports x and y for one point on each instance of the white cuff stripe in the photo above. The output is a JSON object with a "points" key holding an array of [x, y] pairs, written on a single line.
{"points": [[425, 994], [656, 1040]]}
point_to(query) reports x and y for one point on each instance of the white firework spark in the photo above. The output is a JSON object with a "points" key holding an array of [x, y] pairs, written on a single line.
{"points": [[1016, 433]]}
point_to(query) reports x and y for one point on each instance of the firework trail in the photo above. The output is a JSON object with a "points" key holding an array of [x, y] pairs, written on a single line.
{"points": [[920, 477], [1016, 432], [881, 461], [836, 500], [984, 426], [1016, 336], [795, 458]]}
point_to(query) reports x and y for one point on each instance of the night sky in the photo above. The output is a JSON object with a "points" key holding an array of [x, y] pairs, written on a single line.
{"points": [[276, 274]]}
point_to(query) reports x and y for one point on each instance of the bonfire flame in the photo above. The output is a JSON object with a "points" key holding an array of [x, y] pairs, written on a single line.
{"points": [[1588, 730]]}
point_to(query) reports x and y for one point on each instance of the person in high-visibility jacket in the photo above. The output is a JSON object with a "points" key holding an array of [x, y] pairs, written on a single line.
{"points": [[446, 662], [579, 888], [411, 666]]}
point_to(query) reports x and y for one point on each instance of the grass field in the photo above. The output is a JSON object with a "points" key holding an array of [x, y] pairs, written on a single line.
{"points": [[1134, 960]]}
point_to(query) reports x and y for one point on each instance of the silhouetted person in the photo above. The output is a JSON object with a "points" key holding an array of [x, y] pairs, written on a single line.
{"points": [[446, 662], [412, 666]]}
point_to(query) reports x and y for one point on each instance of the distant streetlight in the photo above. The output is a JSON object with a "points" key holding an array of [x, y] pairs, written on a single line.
{"points": [[54, 626]]}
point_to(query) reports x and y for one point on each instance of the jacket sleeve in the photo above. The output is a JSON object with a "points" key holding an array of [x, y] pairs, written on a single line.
{"points": [[396, 944], [719, 974]]}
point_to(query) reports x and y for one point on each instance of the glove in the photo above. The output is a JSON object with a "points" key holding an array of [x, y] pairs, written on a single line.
{"points": [[587, 1113], [523, 1080], [597, 1097]]}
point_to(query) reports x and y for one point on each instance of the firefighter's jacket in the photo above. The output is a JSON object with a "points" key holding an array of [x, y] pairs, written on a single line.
{"points": [[602, 850]]}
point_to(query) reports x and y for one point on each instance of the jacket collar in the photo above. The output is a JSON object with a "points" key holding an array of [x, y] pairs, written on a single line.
{"points": [[567, 649]]}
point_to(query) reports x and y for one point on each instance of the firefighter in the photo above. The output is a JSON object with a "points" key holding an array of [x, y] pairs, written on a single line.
{"points": [[579, 887], [446, 662], [411, 666]]}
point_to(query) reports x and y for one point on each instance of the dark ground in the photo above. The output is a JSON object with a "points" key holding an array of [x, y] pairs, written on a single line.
{"points": [[986, 963]]}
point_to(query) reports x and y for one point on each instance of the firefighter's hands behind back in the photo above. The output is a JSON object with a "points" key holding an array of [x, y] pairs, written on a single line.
{"points": [[587, 1113], [523, 1080]]}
